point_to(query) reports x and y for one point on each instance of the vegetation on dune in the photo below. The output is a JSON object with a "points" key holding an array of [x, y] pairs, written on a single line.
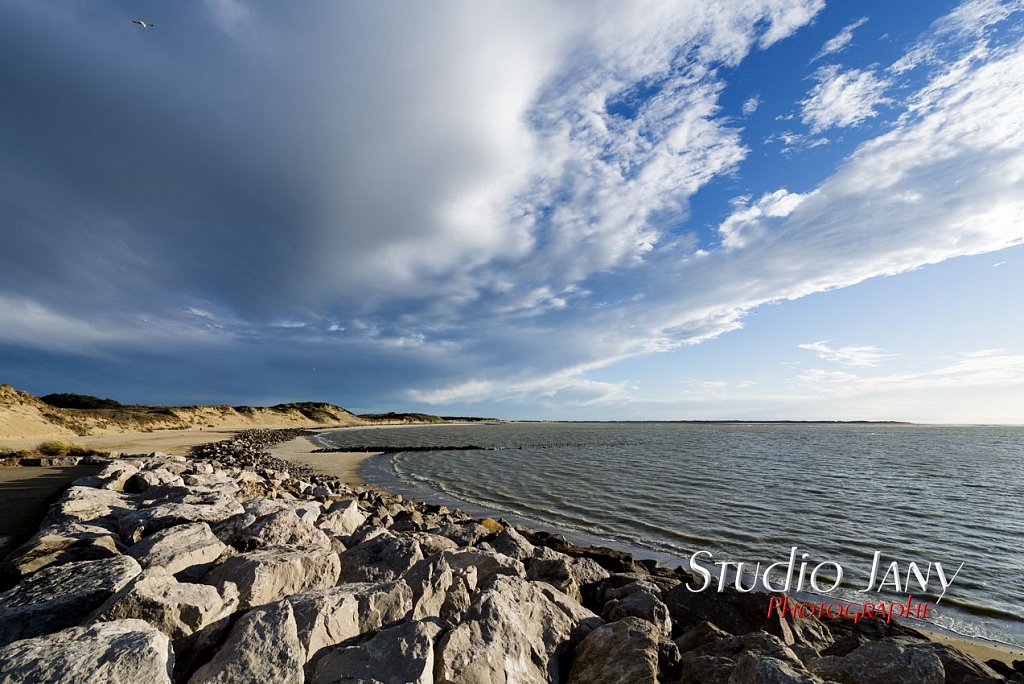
{"points": [[60, 447], [79, 401]]}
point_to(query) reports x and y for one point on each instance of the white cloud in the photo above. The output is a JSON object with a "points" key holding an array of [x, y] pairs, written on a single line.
{"points": [[840, 41], [28, 323], [990, 368], [746, 223], [751, 104], [945, 181], [842, 98], [865, 356], [970, 20]]}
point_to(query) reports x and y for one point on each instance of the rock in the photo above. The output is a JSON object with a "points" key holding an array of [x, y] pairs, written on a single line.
{"points": [[272, 574], [263, 646], [145, 479], [639, 599], [89, 505], [122, 651], [280, 528], [187, 550], [760, 643], [64, 543], [176, 507], [706, 669], [325, 617], [380, 604], [959, 666], [51, 461], [400, 654], [465, 534], [459, 595], [800, 632], [176, 609], [322, 492], [379, 559], [342, 519], [515, 630], [512, 544], [609, 559], [622, 651], [61, 596], [407, 521], [112, 477], [488, 564], [429, 580], [431, 544], [882, 662], [556, 571], [743, 613], [703, 634], [753, 669]]}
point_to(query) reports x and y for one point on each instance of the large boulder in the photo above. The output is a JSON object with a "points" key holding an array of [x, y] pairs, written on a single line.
{"points": [[514, 631], [882, 662], [469, 533], [272, 574], [187, 550], [279, 528], [401, 654], [152, 477], [429, 581], [61, 596], [638, 599], [512, 544], [172, 506], [118, 652], [379, 559], [342, 519], [753, 669], [488, 564], [88, 504], [112, 477], [622, 651], [263, 646], [325, 617], [709, 658], [65, 542], [177, 609]]}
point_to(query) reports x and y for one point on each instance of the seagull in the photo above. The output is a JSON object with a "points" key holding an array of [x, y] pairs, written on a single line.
{"points": [[143, 24]]}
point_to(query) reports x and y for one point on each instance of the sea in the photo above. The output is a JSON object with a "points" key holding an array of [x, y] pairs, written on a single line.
{"points": [[750, 492]]}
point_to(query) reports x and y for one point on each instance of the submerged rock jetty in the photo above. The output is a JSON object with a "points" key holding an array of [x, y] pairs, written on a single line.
{"points": [[233, 566]]}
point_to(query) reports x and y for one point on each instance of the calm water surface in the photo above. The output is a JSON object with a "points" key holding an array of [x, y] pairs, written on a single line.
{"points": [[945, 494]]}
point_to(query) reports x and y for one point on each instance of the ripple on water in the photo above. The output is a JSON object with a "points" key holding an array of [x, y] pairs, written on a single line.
{"points": [[749, 492]]}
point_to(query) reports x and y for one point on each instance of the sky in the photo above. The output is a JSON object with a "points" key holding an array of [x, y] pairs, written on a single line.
{"points": [[655, 209]]}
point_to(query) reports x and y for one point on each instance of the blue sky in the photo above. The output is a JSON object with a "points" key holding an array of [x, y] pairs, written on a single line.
{"points": [[763, 209]]}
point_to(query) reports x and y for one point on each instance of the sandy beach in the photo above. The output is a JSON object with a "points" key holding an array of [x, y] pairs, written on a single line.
{"points": [[979, 648], [343, 465], [176, 442]]}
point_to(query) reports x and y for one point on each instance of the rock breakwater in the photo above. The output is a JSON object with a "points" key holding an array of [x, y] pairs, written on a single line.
{"points": [[232, 566]]}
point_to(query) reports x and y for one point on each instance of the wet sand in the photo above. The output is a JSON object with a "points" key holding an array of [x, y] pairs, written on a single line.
{"points": [[979, 648], [345, 466]]}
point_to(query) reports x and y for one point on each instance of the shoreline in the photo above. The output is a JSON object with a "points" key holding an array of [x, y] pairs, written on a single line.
{"points": [[345, 466]]}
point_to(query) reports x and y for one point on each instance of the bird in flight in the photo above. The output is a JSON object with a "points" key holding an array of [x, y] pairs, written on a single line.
{"points": [[143, 24]]}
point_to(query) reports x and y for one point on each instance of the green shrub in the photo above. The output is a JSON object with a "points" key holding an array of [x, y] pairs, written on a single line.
{"points": [[79, 401]]}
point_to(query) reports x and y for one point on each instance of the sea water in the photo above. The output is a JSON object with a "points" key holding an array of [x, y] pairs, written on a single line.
{"points": [[749, 492]]}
